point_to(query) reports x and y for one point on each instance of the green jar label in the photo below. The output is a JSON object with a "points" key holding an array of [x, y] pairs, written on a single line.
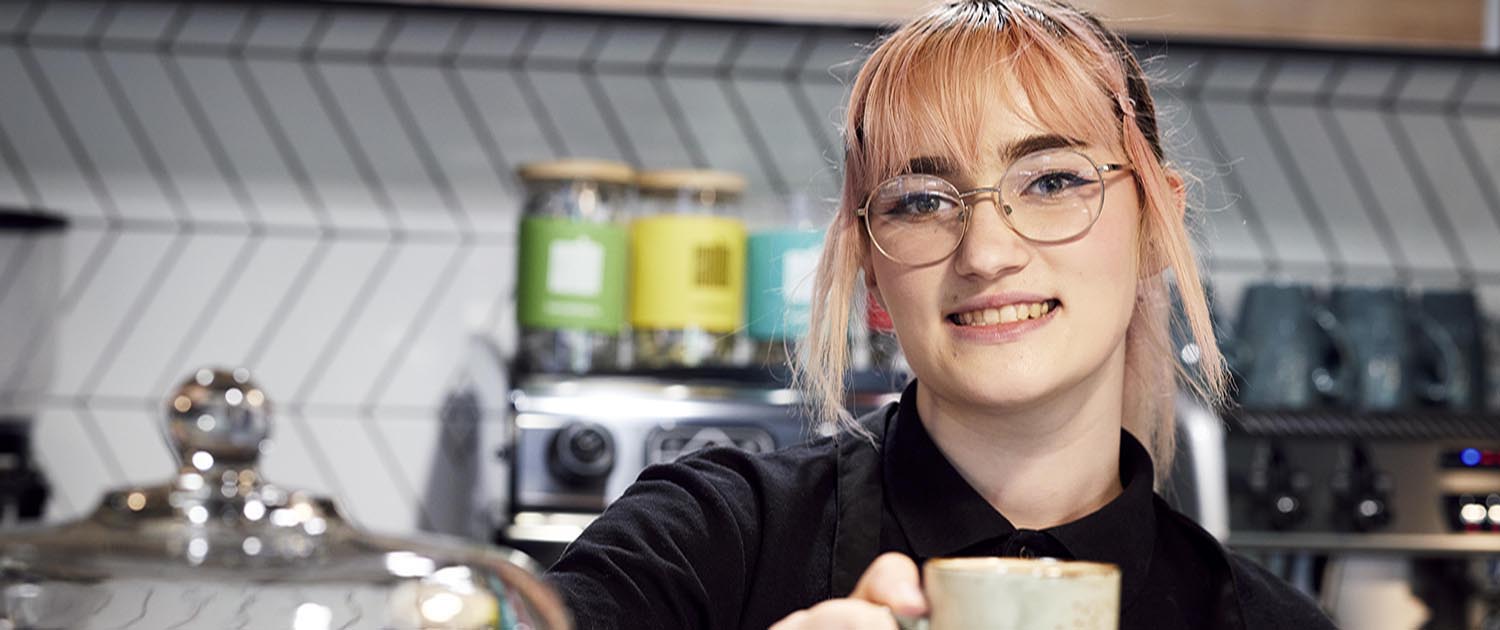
{"points": [[571, 274]]}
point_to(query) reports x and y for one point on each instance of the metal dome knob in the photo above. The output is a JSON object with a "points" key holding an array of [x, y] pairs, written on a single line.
{"points": [[218, 417]]}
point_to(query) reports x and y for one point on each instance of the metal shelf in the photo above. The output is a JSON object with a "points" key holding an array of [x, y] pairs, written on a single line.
{"points": [[1345, 424], [1421, 544]]}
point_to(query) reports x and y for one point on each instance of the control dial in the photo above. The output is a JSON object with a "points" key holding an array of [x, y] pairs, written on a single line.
{"points": [[1361, 492], [1279, 489], [581, 453]]}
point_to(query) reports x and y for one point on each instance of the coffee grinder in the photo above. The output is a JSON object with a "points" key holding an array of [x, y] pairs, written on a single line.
{"points": [[30, 270]]}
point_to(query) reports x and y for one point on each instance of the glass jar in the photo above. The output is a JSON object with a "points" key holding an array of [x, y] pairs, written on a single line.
{"points": [[218, 546], [687, 269], [571, 266], [781, 260]]}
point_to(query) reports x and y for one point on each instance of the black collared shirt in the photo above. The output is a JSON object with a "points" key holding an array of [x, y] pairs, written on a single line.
{"points": [[723, 539]]}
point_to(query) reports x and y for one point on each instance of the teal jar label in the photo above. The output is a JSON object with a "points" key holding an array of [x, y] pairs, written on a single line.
{"points": [[780, 266]]}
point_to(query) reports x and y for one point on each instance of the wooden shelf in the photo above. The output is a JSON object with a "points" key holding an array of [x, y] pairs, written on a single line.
{"points": [[1456, 25]]}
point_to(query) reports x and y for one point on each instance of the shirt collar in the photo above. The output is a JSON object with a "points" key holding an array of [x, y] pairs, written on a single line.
{"points": [[940, 514]]}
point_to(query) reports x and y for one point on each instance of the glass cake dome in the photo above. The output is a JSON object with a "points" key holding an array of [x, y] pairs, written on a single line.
{"points": [[219, 547]]}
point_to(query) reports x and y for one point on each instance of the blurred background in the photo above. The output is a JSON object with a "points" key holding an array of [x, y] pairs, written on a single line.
{"points": [[332, 196]]}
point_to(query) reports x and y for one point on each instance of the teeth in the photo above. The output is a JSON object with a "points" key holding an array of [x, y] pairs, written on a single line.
{"points": [[1005, 314]]}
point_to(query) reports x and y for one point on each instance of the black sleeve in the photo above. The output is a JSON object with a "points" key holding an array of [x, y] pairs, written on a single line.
{"points": [[1272, 604], [675, 551]]}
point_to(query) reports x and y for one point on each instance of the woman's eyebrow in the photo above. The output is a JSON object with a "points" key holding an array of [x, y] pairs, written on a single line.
{"points": [[929, 166], [1031, 144]]}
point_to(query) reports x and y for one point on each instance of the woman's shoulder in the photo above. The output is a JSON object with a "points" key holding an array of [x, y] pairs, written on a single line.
{"points": [[793, 468]]}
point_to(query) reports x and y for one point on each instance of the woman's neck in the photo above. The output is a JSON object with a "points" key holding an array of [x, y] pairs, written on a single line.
{"points": [[1050, 464]]}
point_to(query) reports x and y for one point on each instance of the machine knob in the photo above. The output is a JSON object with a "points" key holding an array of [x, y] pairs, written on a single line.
{"points": [[581, 453], [1286, 509], [1361, 492], [1371, 513]]}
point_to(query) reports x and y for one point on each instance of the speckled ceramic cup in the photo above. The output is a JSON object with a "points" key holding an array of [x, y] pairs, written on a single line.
{"points": [[1021, 594]]}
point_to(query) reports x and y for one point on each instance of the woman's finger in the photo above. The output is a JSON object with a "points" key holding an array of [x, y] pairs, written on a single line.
{"points": [[839, 614], [893, 580]]}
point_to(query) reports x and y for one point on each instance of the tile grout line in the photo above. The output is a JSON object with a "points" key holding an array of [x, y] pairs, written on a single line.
{"points": [[464, 224], [669, 101], [328, 101], [529, 96], [1364, 189], [1455, 121], [588, 69], [1286, 162], [1215, 143], [744, 119], [1436, 209], [464, 95]]}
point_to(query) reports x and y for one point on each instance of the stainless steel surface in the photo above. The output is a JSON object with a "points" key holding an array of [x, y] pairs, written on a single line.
{"points": [[1421, 484], [581, 442], [548, 527], [218, 546], [1201, 440]]}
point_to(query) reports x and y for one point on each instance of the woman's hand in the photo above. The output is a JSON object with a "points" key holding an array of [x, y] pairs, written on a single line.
{"points": [[891, 585]]}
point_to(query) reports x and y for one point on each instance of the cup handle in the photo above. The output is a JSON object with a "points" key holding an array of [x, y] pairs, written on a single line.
{"points": [[1341, 382], [1449, 364]]}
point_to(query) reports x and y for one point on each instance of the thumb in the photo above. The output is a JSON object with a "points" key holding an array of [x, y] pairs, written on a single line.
{"points": [[893, 580]]}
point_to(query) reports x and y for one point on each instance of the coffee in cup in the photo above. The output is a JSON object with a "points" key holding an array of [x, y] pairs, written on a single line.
{"points": [[1019, 594]]}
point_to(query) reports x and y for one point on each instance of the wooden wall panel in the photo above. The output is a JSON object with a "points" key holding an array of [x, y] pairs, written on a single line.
{"points": [[1426, 24]]}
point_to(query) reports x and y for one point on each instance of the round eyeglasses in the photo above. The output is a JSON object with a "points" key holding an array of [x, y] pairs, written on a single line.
{"points": [[1046, 197]]}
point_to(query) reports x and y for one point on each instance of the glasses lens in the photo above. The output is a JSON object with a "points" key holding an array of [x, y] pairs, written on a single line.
{"points": [[1053, 195], [915, 219]]}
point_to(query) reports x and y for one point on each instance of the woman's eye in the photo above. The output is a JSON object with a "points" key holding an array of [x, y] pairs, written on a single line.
{"points": [[1055, 183], [922, 204]]}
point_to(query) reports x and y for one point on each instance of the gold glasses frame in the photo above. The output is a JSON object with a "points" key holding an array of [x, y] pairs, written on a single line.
{"points": [[962, 198]]}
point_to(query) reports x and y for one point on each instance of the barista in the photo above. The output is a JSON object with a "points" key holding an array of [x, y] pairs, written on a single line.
{"points": [[1007, 202]]}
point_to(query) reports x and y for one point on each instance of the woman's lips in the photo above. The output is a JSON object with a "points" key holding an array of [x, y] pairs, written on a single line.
{"points": [[1004, 314], [977, 326]]}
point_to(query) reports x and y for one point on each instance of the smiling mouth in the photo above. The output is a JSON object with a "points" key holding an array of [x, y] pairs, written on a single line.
{"points": [[1010, 313]]}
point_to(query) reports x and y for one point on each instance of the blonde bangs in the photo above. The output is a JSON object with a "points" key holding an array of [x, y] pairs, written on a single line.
{"points": [[937, 77]]}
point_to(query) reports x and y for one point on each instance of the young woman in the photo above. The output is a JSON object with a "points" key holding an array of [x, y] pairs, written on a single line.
{"points": [[1006, 200]]}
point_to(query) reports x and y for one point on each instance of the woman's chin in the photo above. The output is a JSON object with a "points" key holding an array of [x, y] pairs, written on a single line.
{"points": [[998, 389]]}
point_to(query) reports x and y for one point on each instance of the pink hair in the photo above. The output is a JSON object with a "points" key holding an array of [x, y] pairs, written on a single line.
{"points": [[929, 84]]}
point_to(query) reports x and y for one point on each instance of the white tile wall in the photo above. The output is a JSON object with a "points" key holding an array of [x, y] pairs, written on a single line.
{"points": [[325, 195]]}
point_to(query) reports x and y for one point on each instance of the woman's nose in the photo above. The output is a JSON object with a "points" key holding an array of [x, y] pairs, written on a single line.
{"points": [[990, 247]]}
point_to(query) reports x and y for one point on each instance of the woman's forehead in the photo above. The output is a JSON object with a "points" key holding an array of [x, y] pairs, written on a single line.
{"points": [[1002, 139], [988, 125]]}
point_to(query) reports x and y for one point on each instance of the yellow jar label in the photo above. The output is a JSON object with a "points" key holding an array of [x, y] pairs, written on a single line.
{"points": [[687, 271]]}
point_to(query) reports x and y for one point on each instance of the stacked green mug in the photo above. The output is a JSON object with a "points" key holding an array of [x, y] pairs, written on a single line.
{"points": [[572, 266], [687, 269]]}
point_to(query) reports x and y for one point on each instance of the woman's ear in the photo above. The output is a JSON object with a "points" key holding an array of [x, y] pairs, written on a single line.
{"points": [[1155, 260], [1179, 193]]}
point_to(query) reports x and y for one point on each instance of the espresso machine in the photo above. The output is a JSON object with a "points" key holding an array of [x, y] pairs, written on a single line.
{"points": [[1360, 461], [579, 442]]}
